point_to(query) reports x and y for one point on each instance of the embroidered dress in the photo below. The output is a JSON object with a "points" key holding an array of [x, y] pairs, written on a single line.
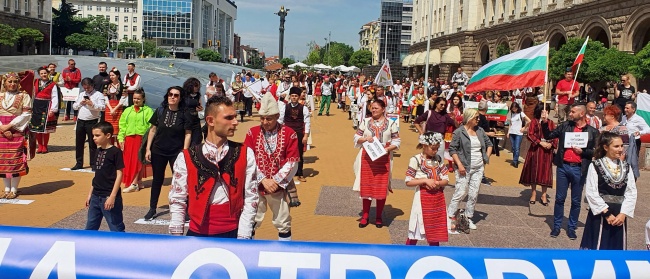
{"points": [[428, 219], [418, 104], [15, 109], [609, 185], [374, 176], [114, 97], [538, 167], [46, 99]]}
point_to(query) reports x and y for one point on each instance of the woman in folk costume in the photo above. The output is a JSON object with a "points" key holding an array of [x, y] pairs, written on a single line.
{"points": [[373, 177], [116, 98], [45, 112], [428, 174], [237, 87], [134, 123], [611, 192], [538, 167], [15, 114], [418, 103]]}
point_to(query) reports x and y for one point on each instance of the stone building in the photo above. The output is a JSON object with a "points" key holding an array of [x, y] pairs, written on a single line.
{"points": [[36, 14], [369, 39], [467, 33]]}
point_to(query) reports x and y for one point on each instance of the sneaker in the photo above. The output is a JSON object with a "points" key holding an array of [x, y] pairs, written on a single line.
{"points": [[555, 233], [571, 234], [452, 232], [472, 226], [302, 179], [131, 189], [150, 214]]}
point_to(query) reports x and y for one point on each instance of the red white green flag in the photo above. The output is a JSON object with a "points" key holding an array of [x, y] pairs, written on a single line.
{"points": [[581, 56], [524, 68]]}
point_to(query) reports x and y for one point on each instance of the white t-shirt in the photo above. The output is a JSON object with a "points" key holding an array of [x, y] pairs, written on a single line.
{"points": [[477, 155], [516, 123]]}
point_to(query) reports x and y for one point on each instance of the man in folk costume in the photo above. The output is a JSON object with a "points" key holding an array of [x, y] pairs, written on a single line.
{"points": [[283, 88], [132, 82], [296, 116], [219, 178], [276, 152]]}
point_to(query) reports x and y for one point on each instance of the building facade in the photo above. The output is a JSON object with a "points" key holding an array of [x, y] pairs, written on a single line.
{"points": [[467, 33], [183, 26], [369, 39], [395, 30], [36, 14]]}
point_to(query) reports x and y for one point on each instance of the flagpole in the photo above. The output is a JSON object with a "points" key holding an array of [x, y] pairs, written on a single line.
{"points": [[546, 87], [575, 77]]}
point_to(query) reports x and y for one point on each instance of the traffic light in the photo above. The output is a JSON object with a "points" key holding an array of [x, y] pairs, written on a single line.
{"points": [[209, 43], [218, 43]]}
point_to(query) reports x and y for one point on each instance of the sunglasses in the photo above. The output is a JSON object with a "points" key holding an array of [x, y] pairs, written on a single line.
{"points": [[173, 95]]}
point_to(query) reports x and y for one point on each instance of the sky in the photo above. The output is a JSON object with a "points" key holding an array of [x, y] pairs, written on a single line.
{"points": [[308, 20]]}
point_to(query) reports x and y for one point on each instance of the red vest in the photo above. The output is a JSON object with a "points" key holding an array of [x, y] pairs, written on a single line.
{"points": [[46, 93], [130, 80], [205, 217]]}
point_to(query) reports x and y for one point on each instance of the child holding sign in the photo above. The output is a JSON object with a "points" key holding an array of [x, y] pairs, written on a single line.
{"points": [[427, 173]]}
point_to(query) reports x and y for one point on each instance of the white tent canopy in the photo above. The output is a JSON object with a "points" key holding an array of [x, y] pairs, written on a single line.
{"points": [[354, 69], [322, 67], [341, 68], [299, 64]]}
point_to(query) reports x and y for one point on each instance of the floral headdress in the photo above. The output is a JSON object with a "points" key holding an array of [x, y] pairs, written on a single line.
{"points": [[430, 138]]}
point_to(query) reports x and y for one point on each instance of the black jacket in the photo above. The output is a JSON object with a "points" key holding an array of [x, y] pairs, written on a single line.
{"points": [[558, 133]]}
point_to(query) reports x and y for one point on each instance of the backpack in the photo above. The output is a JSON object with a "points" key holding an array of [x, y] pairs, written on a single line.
{"points": [[462, 222]]}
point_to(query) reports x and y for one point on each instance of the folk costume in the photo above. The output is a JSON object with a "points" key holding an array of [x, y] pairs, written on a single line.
{"points": [[46, 100], [417, 102], [373, 177], [115, 96], [134, 123], [238, 97], [15, 110], [296, 117], [609, 185], [220, 183], [538, 167], [132, 83], [427, 221], [277, 157]]}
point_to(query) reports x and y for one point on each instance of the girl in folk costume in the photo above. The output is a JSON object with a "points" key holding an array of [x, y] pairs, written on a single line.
{"points": [[538, 167], [427, 173], [354, 92], [45, 111], [417, 102], [611, 192], [364, 104], [237, 87], [373, 177], [15, 114], [116, 98]]}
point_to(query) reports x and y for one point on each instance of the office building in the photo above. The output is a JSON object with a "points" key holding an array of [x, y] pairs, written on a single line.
{"points": [[369, 39], [395, 30], [36, 14]]}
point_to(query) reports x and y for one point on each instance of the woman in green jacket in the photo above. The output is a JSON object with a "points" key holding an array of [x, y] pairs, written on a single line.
{"points": [[134, 123]]}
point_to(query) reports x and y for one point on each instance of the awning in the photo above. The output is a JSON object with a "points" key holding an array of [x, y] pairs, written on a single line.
{"points": [[451, 55], [406, 61], [434, 57], [414, 58], [422, 56]]}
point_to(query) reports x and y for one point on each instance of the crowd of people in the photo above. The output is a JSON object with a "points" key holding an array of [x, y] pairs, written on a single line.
{"points": [[224, 188]]}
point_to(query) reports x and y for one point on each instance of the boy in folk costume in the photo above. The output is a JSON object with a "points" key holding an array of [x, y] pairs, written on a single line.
{"points": [[428, 174], [276, 153], [132, 82]]}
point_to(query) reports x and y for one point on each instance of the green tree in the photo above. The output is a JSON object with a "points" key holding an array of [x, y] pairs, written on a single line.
{"points": [[566, 55], [313, 57], [8, 35], [336, 53], [29, 36], [131, 43], [361, 58], [101, 27], [642, 68], [503, 49], [610, 65], [87, 42], [208, 55], [64, 24], [286, 62]]}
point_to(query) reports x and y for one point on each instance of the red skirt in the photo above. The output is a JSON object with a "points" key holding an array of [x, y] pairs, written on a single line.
{"points": [[375, 176], [114, 120], [132, 165], [538, 167], [434, 215], [13, 153]]}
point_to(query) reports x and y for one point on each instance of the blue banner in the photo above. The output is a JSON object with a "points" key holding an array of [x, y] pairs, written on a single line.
{"points": [[55, 253]]}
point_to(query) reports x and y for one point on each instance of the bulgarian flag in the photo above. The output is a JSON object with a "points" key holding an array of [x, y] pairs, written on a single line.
{"points": [[643, 106], [581, 56], [524, 68]]}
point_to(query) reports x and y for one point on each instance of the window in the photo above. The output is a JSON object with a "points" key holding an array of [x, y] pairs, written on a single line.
{"points": [[6, 2], [126, 28], [89, 8], [27, 6], [17, 5], [126, 19], [80, 7], [117, 9], [135, 28], [99, 8], [135, 38], [135, 19], [126, 10], [39, 7], [125, 36], [117, 18], [135, 10], [108, 18]]}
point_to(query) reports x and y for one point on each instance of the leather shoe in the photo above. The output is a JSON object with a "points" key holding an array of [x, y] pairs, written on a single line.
{"points": [[571, 234], [555, 233], [76, 167], [150, 214]]}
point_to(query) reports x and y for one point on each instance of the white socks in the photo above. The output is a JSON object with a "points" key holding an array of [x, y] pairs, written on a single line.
{"points": [[11, 184]]}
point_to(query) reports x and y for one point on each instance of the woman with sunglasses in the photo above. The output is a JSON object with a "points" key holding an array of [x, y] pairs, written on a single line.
{"points": [[15, 113], [436, 120], [170, 133]]}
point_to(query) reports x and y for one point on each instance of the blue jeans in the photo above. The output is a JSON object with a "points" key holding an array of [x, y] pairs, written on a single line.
{"points": [[113, 217], [515, 140], [568, 176]]}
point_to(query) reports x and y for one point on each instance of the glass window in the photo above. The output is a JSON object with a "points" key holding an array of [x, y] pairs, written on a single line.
{"points": [[135, 28], [135, 19], [99, 8], [125, 37], [117, 9], [17, 5], [135, 10], [126, 28], [27, 6], [126, 10], [126, 19], [108, 18], [90, 8], [40, 7], [6, 2], [117, 18]]}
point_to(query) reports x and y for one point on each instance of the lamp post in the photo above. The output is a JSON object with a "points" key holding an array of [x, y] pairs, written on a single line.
{"points": [[426, 73], [283, 14], [386, 44]]}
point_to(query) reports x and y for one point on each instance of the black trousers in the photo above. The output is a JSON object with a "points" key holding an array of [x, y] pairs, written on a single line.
{"points": [[68, 109], [230, 234], [248, 105], [83, 134], [158, 166], [301, 148]]}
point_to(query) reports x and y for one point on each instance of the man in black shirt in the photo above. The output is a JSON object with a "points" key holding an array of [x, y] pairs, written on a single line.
{"points": [[101, 78]]}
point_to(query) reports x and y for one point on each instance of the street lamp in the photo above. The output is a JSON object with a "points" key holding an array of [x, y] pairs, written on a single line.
{"points": [[426, 73], [386, 44]]}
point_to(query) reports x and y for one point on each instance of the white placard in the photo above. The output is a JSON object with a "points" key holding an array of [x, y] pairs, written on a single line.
{"points": [[579, 139], [374, 149], [155, 222], [70, 94], [79, 170], [15, 201]]}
